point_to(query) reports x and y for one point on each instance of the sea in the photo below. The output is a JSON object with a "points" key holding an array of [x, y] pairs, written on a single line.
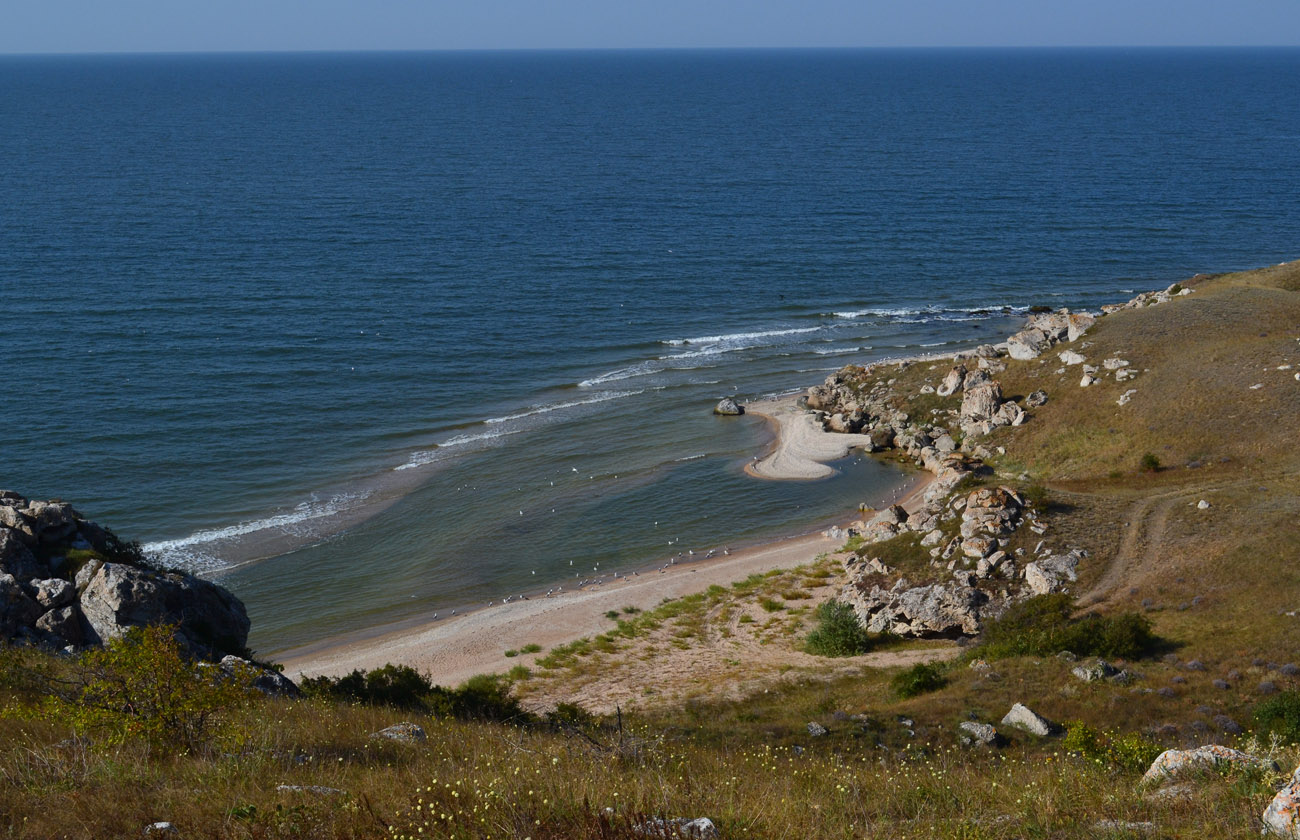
{"points": [[370, 336]]}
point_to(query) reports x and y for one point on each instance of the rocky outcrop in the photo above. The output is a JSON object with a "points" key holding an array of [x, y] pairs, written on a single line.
{"points": [[65, 581], [1172, 763], [1282, 816], [931, 611], [1051, 574]]}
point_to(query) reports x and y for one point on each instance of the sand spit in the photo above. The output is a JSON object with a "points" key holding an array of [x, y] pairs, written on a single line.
{"points": [[802, 445]]}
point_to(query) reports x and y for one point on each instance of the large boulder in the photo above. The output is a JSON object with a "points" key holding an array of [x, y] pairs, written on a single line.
{"points": [[981, 402], [952, 382], [1282, 817], [936, 610], [728, 407], [15, 556], [17, 610], [1023, 717], [1171, 763], [116, 597], [1052, 573], [1027, 344], [1079, 323]]}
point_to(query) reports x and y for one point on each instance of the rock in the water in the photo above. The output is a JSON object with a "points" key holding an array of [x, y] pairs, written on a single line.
{"points": [[408, 733], [1022, 717], [1282, 817], [1171, 763], [979, 733], [729, 407]]}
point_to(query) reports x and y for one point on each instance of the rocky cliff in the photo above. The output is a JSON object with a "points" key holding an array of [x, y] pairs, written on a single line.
{"points": [[67, 583]]}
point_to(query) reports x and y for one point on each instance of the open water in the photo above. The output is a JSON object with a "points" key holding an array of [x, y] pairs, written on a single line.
{"points": [[423, 330]]}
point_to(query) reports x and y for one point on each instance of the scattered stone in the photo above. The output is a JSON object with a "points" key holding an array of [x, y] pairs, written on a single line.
{"points": [[316, 790], [1202, 505], [1226, 725], [816, 730], [160, 829], [979, 733], [1091, 672], [1125, 397], [1037, 398], [1125, 826], [1069, 357], [1289, 670], [1173, 763], [266, 680], [1114, 363], [408, 733], [1022, 717], [728, 407], [1195, 665], [681, 828]]}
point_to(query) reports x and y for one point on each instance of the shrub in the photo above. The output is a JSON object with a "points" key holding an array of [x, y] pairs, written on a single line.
{"points": [[838, 632], [1042, 626], [1150, 463], [1128, 752], [484, 697], [921, 678], [512, 653], [771, 605], [142, 685], [1280, 714], [531, 647]]}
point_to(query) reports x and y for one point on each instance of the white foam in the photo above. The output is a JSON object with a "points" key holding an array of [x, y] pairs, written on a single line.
{"points": [[745, 336], [838, 351], [547, 409], [185, 552]]}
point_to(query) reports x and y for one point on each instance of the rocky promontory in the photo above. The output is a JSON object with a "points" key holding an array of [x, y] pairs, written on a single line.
{"points": [[972, 546], [67, 583]]}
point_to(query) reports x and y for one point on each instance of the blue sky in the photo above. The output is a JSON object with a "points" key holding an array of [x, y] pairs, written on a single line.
{"points": [[187, 25]]}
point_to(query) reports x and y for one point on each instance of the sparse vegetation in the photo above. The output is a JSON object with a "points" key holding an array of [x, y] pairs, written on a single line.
{"points": [[1150, 463], [838, 632], [921, 678], [1044, 625]]}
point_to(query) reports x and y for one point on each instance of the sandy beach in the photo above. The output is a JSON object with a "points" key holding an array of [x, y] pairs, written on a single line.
{"points": [[453, 649], [801, 446]]}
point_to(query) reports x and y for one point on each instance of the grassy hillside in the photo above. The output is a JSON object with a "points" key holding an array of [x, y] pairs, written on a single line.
{"points": [[704, 704]]}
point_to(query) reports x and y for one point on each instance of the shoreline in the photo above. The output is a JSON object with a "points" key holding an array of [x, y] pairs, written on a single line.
{"points": [[450, 650]]}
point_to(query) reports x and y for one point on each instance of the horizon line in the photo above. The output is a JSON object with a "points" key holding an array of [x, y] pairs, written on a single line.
{"points": [[770, 48]]}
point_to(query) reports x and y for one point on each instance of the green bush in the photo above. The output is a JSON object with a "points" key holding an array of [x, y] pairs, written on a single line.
{"points": [[1280, 714], [143, 686], [1043, 626], [1150, 463], [921, 678], [531, 647], [838, 632], [480, 698], [1131, 751]]}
